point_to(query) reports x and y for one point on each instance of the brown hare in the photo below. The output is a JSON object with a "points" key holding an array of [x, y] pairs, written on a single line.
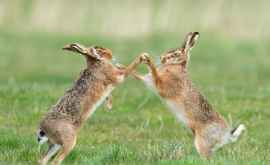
{"points": [[60, 126], [172, 83]]}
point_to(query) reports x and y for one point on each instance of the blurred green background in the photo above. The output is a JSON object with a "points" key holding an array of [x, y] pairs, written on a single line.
{"points": [[129, 18], [230, 65]]}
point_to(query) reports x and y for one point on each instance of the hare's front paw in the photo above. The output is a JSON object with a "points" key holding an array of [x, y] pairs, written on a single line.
{"points": [[145, 58]]}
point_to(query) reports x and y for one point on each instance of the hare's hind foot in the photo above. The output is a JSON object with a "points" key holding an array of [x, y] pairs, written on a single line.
{"points": [[52, 150], [203, 147], [67, 147]]}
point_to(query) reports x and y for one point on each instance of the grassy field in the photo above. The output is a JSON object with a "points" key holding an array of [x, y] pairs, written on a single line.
{"points": [[35, 72]]}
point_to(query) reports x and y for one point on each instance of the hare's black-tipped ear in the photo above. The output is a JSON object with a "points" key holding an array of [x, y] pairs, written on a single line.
{"points": [[75, 47], [190, 41]]}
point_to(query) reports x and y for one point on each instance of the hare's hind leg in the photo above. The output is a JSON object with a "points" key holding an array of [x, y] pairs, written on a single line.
{"points": [[203, 147], [52, 150], [67, 147]]}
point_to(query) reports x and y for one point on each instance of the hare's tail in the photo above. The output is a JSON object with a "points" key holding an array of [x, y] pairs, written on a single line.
{"points": [[41, 137], [231, 136], [236, 132]]}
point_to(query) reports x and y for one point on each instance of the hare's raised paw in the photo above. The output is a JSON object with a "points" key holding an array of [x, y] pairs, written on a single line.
{"points": [[145, 58]]}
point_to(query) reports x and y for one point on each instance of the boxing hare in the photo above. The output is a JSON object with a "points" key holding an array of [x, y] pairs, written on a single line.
{"points": [[172, 83], [60, 125]]}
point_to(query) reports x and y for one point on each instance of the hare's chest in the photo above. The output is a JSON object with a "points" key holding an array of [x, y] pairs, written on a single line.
{"points": [[104, 95], [178, 110]]}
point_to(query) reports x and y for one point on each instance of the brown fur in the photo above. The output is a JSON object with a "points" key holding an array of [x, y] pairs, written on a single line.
{"points": [[62, 123], [172, 83]]}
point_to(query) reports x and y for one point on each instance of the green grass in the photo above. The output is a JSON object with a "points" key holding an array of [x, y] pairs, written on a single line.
{"points": [[34, 73]]}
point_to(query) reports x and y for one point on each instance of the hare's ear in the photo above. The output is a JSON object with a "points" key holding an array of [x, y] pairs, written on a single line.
{"points": [[93, 53], [78, 48], [190, 41], [75, 47]]}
